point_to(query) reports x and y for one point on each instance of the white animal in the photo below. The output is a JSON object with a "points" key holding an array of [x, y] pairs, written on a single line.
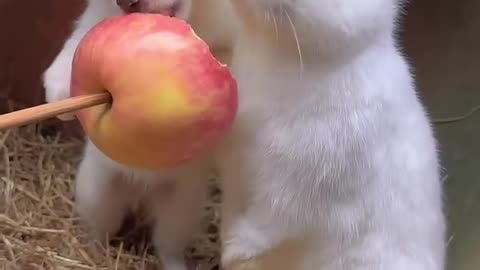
{"points": [[106, 191], [332, 164]]}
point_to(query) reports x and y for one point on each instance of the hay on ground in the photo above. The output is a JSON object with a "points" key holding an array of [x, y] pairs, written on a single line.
{"points": [[38, 227]]}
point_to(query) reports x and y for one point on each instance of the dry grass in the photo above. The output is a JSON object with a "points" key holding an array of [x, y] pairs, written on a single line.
{"points": [[38, 227]]}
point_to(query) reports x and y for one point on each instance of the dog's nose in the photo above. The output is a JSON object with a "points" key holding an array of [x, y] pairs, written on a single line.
{"points": [[129, 5]]}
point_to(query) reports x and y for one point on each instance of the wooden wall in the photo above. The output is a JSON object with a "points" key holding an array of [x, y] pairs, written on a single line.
{"points": [[31, 32]]}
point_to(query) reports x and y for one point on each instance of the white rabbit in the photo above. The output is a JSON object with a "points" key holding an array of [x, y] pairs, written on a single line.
{"points": [[106, 191], [332, 163]]}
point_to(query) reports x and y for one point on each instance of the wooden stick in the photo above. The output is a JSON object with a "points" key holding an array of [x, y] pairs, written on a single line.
{"points": [[39, 113]]}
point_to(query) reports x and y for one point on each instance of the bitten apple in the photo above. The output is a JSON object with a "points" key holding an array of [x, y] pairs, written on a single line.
{"points": [[172, 101]]}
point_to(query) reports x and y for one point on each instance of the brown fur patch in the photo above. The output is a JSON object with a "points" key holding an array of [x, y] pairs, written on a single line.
{"points": [[286, 256]]}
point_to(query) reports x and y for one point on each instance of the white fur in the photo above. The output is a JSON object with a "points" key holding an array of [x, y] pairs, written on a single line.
{"points": [[106, 191], [332, 163]]}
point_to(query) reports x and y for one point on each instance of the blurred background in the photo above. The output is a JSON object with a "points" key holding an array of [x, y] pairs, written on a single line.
{"points": [[441, 39], [32, 34]]}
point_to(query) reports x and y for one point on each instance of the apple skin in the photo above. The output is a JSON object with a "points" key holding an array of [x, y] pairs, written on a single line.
{"points": [[172, 101]]}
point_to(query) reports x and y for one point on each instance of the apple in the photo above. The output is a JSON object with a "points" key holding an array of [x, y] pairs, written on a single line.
{"points": [[172, 101]]}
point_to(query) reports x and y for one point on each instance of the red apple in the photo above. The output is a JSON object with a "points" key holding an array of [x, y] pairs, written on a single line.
{"points": [[172, 100]]}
